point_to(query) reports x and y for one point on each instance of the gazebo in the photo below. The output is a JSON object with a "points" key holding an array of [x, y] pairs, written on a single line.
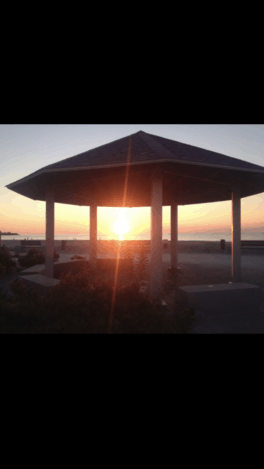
{"points": [[143, 170]]}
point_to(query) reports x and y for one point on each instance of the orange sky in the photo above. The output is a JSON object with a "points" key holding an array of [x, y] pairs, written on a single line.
{"points": [[29, 218]]}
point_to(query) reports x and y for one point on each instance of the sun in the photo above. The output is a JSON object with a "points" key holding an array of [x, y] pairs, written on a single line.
{"points": [[121, 227]]}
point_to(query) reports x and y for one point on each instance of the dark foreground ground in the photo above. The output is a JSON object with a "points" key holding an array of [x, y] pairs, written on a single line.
{"points": [[209, 273], [213, 269], [250, 323]]}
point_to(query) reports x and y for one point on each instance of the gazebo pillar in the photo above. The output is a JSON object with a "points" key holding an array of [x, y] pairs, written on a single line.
{"points": [[174, 235], [49, 257], [236, 236], [93, 234], [156, 238]]}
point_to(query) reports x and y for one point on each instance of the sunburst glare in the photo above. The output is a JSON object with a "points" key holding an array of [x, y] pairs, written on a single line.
{"points": [[121, 226]]}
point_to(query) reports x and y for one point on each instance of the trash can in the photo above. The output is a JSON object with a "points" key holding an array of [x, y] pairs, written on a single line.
{"points": [[222, 244]]}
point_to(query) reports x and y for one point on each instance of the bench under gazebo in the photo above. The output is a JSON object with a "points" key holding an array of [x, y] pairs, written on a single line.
{"points": [[144, 170]]}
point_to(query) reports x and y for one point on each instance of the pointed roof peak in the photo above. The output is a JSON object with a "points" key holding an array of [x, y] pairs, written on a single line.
{"points": [[144, 150], [143, 147]]}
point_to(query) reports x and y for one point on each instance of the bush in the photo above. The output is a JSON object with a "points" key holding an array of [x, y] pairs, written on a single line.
{"points": [[26, 300], [172, 280], [33, 257], [131, 268], [23, 311], [6, 260], [142, 263], [80, 304], [2, 271], [56, 256]]}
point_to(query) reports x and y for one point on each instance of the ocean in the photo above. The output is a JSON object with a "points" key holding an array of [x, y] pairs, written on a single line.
{"points": [[181, 237]]}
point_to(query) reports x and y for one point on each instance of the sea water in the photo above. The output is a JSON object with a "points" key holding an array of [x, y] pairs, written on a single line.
{"points": [[181, 236]]}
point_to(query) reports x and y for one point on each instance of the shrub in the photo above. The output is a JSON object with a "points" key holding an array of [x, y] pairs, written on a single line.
{"points": [[2, 271], [6, 260], [56, 256], [171, 282], [27, 300], [131, 268], [23, 311], [80, 304], [142, 263], [33, 257]]}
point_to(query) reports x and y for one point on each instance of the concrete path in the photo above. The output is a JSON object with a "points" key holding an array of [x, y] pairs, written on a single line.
{"points": [[247, 261], [255, 262], [251, 323], [202, 269]]}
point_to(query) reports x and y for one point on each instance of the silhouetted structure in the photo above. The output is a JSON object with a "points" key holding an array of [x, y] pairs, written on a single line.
{"points": [[144, 170]]}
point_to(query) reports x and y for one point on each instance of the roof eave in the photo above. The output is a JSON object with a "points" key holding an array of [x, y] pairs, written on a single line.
{"points": [[167, 160]]}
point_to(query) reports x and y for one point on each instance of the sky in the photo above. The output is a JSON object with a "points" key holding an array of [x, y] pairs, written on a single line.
{"points": [[27, 148]]}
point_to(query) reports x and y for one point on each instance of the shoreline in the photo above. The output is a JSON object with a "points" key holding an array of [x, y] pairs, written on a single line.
{"points": [[137, 242], [112, 247]]}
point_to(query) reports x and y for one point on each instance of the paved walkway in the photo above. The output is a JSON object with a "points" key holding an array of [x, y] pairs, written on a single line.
{"points": [[250, 323], [247, 261], [203, 269]]}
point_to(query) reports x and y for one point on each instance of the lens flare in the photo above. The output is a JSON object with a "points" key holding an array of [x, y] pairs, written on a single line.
{"points": [[121, 226]]}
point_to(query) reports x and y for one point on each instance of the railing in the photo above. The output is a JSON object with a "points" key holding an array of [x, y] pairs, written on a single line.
{"points": [[28, 244]]}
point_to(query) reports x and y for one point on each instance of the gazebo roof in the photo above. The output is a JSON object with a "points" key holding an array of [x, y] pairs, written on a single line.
{"points": [[119, 173]]}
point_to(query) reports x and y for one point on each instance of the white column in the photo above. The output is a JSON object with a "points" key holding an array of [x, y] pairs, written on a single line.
{"points": [[49, 258], [236, 236], [174, 236], [93, 234], [156, 238]]}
